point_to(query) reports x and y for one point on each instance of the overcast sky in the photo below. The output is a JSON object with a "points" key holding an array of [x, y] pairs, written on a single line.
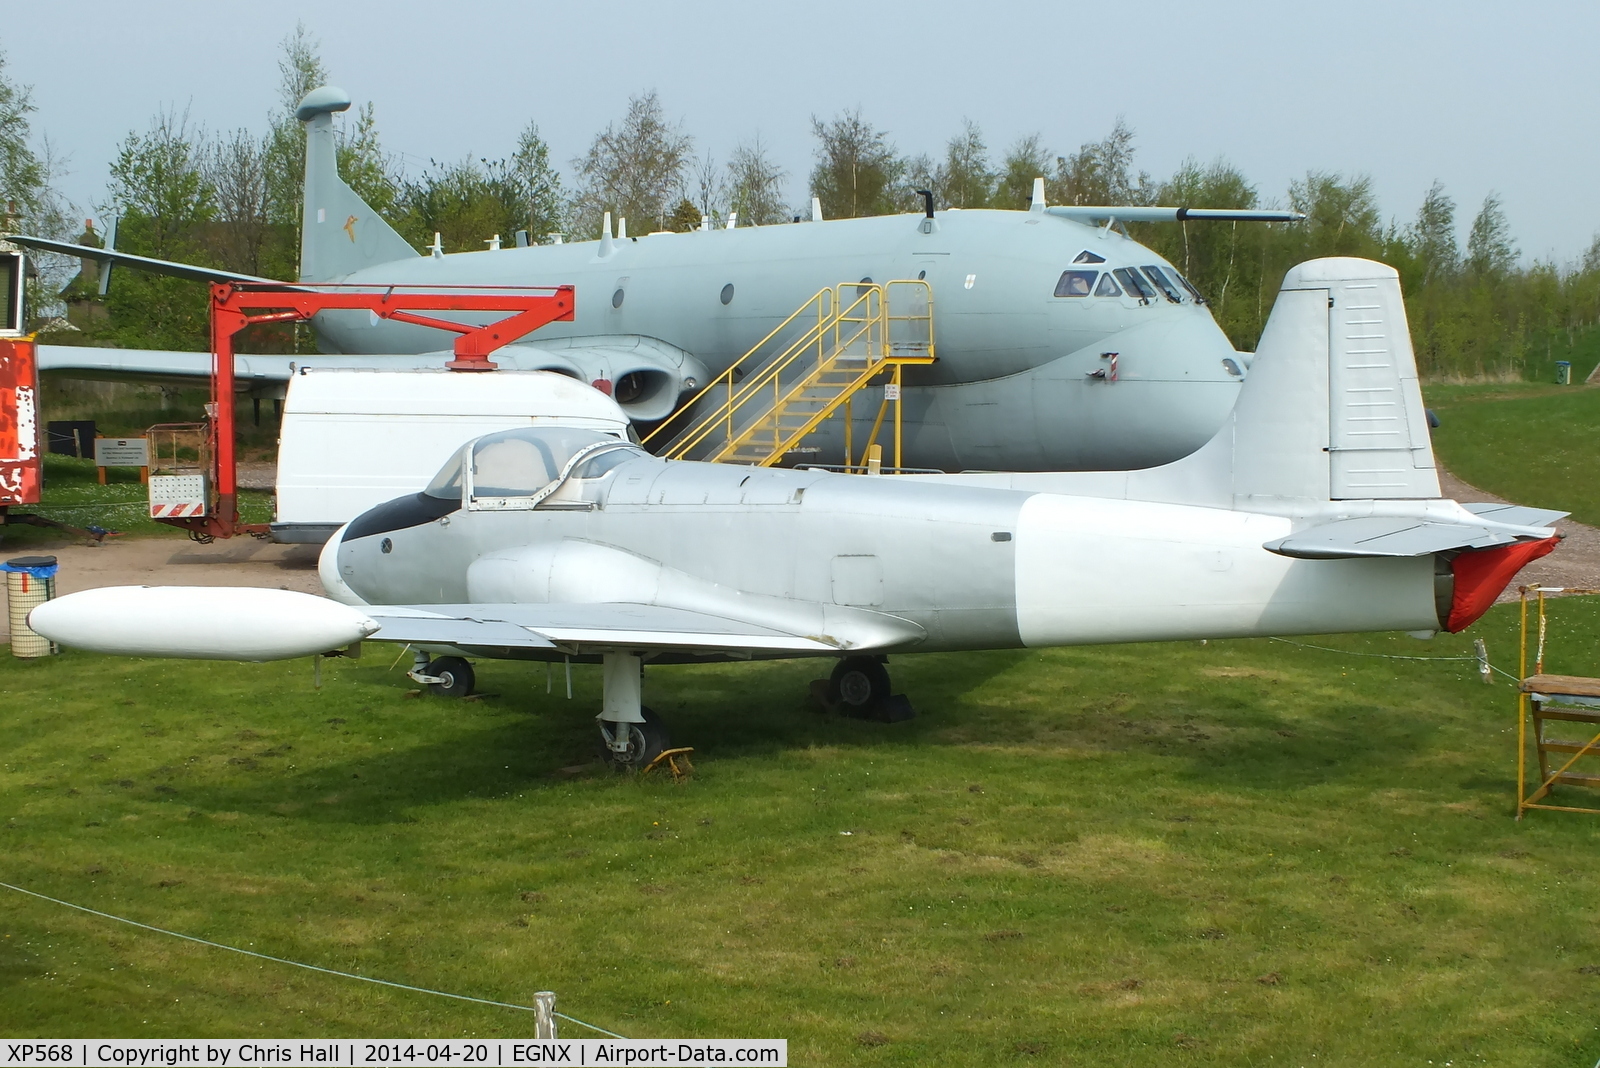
{"points": [[1481, 97]]}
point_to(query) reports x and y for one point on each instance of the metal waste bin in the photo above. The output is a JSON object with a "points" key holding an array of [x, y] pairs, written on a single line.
{"points": [[30, 581], [1563, 372]]}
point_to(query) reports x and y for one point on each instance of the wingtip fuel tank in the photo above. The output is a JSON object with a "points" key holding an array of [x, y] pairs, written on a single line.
{"points": [[200, 622]]}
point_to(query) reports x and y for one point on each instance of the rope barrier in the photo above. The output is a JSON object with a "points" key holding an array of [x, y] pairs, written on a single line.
{"points": [[1397, 656], [298, 964]]}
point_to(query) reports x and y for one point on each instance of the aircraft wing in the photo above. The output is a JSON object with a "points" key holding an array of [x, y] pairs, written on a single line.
{"points": [[84, 361], [1130, 213], [1403, 536], [128, 259], [580, 627]]}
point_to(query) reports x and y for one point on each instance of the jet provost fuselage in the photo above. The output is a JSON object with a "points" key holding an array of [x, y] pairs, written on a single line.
{"points": [[887, 564], [1021, 379]]}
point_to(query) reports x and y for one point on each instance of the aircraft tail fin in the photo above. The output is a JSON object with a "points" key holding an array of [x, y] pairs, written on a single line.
{"points": [[1332, 409], [339, 232]]}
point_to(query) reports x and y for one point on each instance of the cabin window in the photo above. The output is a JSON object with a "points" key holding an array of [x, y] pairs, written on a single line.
{"points": [[1108, 287], [1135, 284], [727, 293], [1075, 283], [1163, 283], [616, 298], [1088, 257]]}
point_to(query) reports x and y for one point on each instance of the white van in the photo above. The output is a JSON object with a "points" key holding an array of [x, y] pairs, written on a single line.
{"points": [[352, 439]]}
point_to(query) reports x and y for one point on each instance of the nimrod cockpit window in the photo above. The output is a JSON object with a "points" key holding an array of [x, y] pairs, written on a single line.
{"points": [[1163, 283], [517, 469], [1135, 284], [1088, 257], [1075, 283]]}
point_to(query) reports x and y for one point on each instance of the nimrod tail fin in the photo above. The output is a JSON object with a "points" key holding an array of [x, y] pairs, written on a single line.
{"points": [[339, 232]]}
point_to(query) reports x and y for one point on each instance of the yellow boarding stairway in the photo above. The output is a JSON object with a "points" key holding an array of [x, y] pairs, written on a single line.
{"points": [[842, 340]]}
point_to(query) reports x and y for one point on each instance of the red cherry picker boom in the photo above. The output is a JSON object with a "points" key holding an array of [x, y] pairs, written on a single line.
{"points": [[236, 305]]}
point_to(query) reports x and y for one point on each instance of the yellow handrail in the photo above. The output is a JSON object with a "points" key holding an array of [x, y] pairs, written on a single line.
{"points": [[861, 330], [822, 301]]}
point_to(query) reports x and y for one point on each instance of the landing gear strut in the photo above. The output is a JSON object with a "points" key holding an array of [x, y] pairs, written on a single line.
{"points": [[447, 676], [630, 734]]}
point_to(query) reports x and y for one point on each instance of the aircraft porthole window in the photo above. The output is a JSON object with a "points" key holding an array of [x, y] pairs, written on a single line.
{"points": [[1108, 287], [616, 298], [1076, 283], [921, 275], [1232, 367], [1088, 257], [727, 293], [386, 546]]}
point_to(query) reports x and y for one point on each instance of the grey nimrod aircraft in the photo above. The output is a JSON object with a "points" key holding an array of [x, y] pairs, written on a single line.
{"points": [[1315, 508], [1061, 344]]}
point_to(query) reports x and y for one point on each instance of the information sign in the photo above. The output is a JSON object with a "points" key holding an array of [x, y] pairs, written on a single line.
{"points": [[122, 452]]}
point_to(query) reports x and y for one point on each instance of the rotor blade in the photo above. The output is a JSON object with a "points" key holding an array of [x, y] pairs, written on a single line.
{"points": [[128, 259], [1131, 213]]}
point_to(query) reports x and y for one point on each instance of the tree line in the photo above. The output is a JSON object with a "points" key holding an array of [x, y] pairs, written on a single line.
{"points": [[232, 199]]}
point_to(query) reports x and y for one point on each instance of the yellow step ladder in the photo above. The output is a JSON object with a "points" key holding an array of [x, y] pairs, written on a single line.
{"points": [[842, 340]]}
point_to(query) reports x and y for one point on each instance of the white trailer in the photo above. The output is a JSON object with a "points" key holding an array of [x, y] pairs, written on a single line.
{"points": [[352, 439]]}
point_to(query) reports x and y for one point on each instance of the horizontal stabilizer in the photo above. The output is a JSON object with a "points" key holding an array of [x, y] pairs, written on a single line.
{"points": [[1399, 536], [1516, 514], [128, 259], [600, 626]]}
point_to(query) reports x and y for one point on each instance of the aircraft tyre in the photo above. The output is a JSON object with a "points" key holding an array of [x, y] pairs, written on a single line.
{"points": [[859, 685], [645, 741], [454, 674]]}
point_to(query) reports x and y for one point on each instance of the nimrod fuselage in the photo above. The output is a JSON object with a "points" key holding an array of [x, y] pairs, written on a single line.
{"points": [[1027, 308]]}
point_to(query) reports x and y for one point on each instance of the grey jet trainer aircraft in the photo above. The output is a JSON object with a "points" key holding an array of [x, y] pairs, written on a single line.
{"points": [[1315, 508], [1062, 344]]}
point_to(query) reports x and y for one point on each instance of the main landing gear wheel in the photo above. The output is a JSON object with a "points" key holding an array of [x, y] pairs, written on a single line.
{"points": [[645, 741], [859, 685], [454, 674]]}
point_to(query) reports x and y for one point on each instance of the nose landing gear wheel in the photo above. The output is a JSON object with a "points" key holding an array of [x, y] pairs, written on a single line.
{"points": [[454, 674], [645, 741], [859, 685]]}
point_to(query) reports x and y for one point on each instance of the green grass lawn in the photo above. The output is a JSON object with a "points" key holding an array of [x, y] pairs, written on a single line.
{"points": [[1244, 852], [1533, 444]]}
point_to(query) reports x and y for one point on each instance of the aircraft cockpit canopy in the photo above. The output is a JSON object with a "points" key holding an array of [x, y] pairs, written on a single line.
{"points": [[529, 463], [1143, 284]]}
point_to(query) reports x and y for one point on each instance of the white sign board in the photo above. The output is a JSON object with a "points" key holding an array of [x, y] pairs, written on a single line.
{"points": [[122, 452], [177, 495]]}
